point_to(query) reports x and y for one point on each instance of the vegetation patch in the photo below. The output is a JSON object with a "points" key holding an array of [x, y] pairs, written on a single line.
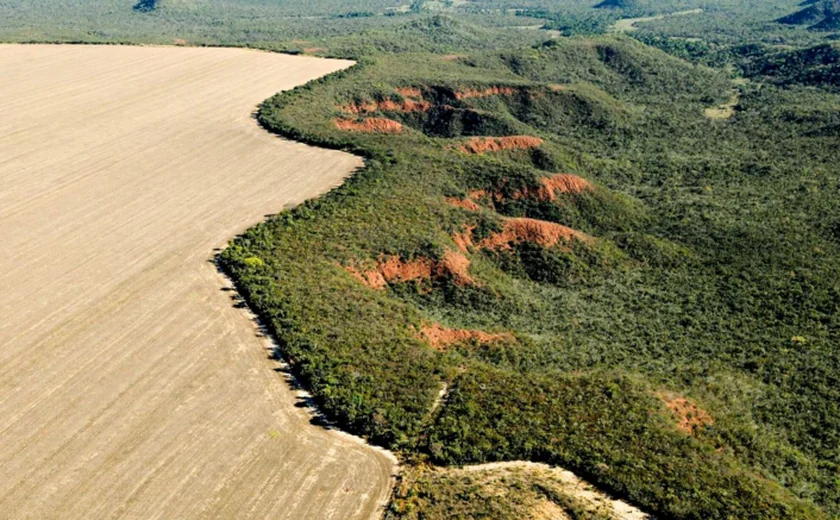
{"points": [[704, 267]]}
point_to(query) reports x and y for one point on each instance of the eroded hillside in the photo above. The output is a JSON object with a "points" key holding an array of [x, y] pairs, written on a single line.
{"points": [[592, 269]]}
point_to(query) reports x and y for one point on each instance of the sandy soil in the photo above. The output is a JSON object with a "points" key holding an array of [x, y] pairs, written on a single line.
{"points": [[569, 484], [629, 24], [130, 386]]}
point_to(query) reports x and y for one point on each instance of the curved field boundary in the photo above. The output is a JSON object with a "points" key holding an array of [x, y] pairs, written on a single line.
{"points": [[132, 385]]}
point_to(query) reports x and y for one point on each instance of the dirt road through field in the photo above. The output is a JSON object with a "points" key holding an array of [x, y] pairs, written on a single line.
{"points": [[130, 386]]}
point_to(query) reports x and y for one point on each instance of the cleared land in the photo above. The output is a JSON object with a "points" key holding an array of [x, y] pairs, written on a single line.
{"points": [[629, 24], [130, 386]]}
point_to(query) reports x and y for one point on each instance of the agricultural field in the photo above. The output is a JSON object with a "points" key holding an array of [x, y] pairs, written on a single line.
{"points": [[131, 381], [590, 237]]}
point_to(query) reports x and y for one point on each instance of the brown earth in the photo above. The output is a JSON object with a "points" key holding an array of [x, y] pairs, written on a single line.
{"points": [[548, 510], [560, 183], [688, 415], [483, 93], [479, 145], [393, 269], [440, 338], [467, 204], [131, 386], [410, 92], [547, 191], [371, 125], [407, 105], [464, 239], [372, 278], [540, 232]]}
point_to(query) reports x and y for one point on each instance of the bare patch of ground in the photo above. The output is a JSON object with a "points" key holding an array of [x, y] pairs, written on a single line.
{"points": [[504, 490], [440, 338], [540, 232], [467, 204], [567, 483], [131, 385], [370, 125], [629, 24], [393, 269], [480, 145], [560, 183], [548, 190], [727, 110], [407, 105], [687, 415]]}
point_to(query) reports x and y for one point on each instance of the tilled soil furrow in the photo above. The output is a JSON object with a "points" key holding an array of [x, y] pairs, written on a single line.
{"points": [[131, 386]]}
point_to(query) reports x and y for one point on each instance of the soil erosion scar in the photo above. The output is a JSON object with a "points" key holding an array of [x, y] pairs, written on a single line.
{"points": [[131, 387]]}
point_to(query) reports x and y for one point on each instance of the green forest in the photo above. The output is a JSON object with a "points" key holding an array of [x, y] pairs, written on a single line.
{"points": [[617, 252]]}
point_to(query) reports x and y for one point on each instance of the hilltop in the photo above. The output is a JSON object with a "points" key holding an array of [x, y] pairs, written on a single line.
{"points": [[573, 239], [817, 14]]}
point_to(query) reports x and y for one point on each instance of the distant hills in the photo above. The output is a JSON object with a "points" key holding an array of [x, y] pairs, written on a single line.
{"points": [[618, 4], [817, 66], [819, 15]]}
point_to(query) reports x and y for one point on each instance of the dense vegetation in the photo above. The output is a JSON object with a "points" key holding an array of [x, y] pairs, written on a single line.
{"points": [[631, 289], [711, 275]]}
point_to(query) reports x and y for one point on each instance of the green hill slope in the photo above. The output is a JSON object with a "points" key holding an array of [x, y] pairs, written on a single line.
{"points": [[602, 277]]}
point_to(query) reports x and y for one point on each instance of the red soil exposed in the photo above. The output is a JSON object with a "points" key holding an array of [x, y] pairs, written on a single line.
{"points": [[464, 239], [488, 92], [551, 186], [372, 279], [463, 203], [370, 125], [519, 230], [458, 266], [479, 145], [407, 105], [393, 269], [689, 416], [564, 183], [540, 232], [440, 338], [480, 194], [410, 92], [314, 50], [547, 191]]}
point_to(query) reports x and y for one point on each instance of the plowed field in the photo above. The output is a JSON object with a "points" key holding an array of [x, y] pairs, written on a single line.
{"points": [[130, 385]]}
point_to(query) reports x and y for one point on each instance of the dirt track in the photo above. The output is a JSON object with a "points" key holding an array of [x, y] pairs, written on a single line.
{"points": [[130, 387]]}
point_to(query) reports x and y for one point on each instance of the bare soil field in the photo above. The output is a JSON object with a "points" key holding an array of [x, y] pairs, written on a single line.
{"points": [[567, 483], [130, 385]]}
